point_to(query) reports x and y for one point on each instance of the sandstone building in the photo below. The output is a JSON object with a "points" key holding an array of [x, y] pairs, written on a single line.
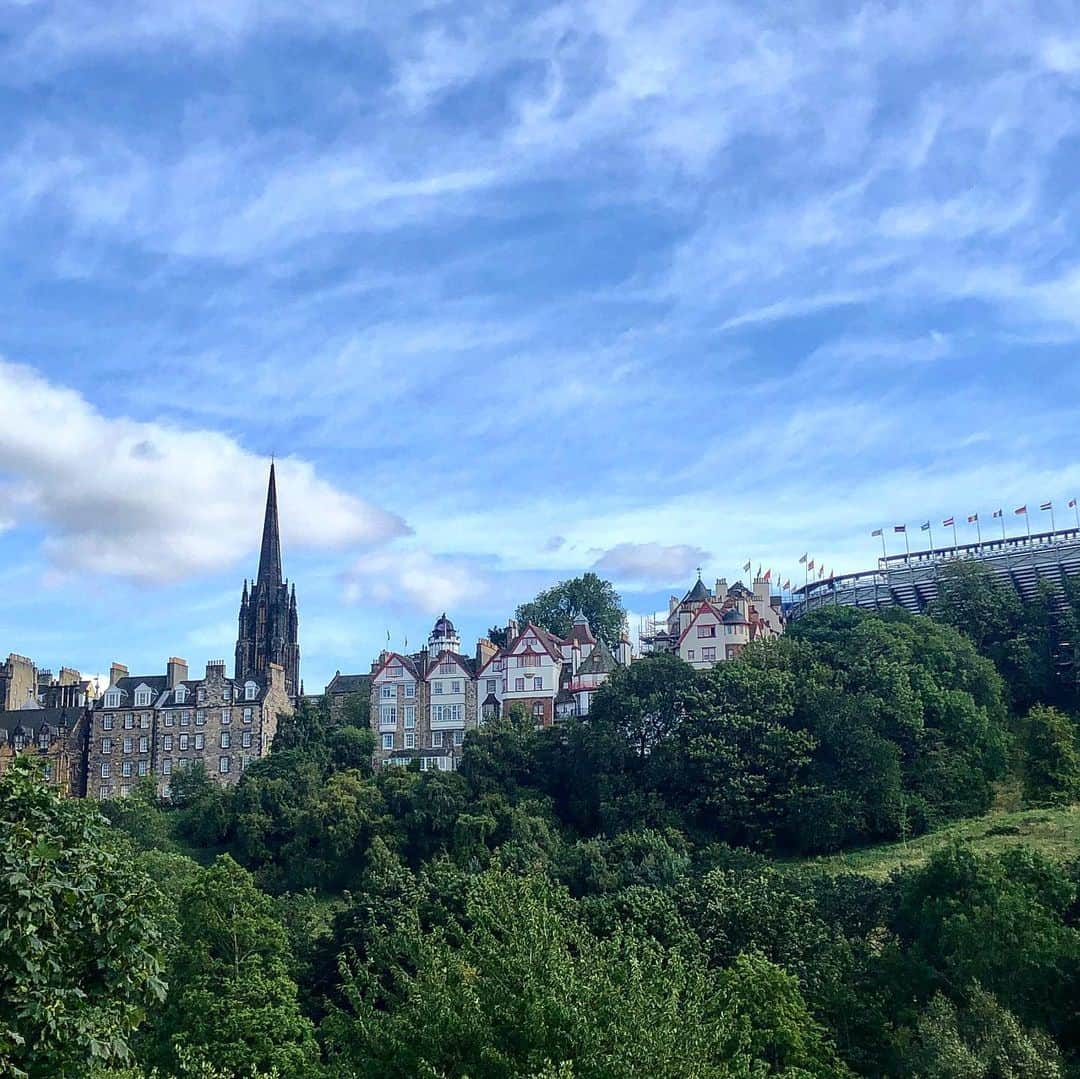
{"points": [[55, 736]]}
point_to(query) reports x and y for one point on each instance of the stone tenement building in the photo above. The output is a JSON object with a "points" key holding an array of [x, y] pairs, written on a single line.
{"points": [[423, 703], [55, 736], [22, 683], [156, 725], [269, 627]]}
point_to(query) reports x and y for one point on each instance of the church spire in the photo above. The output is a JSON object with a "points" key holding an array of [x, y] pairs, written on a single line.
{"points": [[270, 557]]}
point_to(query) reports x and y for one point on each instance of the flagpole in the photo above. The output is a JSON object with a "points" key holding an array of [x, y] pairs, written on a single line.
{"points": [[1053, 527], [884, 550], [955, 541], [1076, 510], [1002, 516], [930, 530], [978, 529], [1027, 521], [907, 546]]}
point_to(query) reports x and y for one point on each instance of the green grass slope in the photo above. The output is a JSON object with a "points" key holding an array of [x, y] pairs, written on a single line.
{"points": [[1053, 832]]}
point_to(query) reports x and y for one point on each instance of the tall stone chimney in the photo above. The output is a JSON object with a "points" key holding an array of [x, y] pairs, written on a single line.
{"points": [[177, 670], [116, 672]]}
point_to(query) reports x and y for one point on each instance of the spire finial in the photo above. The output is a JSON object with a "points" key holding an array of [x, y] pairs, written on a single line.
{"points": [[270, 555]]}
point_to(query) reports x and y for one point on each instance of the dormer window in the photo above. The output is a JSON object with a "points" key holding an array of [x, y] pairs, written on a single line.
{"points": [[43, 739], [142, 698], [181, 694], [251, 690], [112, 698]]}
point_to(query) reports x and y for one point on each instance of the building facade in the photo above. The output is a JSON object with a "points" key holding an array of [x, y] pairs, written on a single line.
{"points": [[22, 683], [423, 703], [707, 627], [157, 725], [57, 737], [269, 630]]}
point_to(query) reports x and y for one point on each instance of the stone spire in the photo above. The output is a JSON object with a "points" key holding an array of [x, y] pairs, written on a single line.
{"points": [[270, 557]]}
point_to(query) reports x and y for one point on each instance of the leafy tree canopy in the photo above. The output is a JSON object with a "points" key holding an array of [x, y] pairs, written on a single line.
{"points": [[556, 607]]}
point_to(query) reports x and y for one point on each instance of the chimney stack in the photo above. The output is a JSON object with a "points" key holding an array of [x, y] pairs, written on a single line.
{"points": [[116, 672], [177, 670]]}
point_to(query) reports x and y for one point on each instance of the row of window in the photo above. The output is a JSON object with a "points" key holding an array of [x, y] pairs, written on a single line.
{"points": [[145, 697], [388, 740], [184, 741], [169, 719], [166, 768], [390, 692], [224, 768], [708, 655]]}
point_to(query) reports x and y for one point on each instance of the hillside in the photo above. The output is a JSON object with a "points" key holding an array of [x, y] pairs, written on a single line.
{"points": [[1055, 833]]}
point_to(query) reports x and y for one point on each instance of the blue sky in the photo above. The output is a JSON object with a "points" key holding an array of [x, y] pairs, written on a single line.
{"points": [[514, 291]]}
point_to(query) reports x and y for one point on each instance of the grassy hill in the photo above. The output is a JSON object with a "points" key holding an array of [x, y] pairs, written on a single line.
{"points": [[1053, 832]]}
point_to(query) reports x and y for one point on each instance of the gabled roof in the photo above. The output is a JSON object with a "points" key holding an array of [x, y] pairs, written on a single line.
{"points": [[548, 641], [464, 662], [410, 663], [703, 609], [739, 589]]}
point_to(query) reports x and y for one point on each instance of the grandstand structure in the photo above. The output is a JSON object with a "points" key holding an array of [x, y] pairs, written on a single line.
{"points": [[911, 580]]}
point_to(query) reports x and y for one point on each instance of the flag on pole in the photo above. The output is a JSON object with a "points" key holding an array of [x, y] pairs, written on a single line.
{"points": [[999, 513], [787, 585], [876, 532], [972, 518], [810, 565], [768, 575], [802, 561], [949, 522], [1072, 503], [757, 576], [821, 573], [1046, 506], [746, 568], [899, 528], [925, 526], [1021, 511]]}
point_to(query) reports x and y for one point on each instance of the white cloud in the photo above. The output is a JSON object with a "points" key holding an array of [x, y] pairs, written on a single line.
{"points": [[650, 563], [415, 579], [151, 502]]}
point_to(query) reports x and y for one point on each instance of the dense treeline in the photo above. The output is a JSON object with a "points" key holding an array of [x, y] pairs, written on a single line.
{"points": [[617, 897]]}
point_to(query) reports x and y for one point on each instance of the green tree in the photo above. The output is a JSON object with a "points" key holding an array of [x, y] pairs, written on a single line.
{"points": [[982, 1040], [231, 1001], [521, 988], [1050, 764], [1001, 922], [80, 940], [555, 608]]}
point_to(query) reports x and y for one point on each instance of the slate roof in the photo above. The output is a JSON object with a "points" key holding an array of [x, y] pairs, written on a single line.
{"points": [[698, 593], [31, 722], [157, 683], [581, 633], [349, 683], [598, 661]]}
